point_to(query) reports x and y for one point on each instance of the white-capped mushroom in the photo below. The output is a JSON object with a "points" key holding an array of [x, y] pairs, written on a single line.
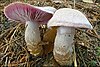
{"points": [[66, 19], [33, 17]]}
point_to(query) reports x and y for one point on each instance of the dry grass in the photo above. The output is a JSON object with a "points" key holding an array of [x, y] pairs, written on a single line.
{"points": [[13, 50]]}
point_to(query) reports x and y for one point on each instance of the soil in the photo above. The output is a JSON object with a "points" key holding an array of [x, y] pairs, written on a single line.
{"points": [[13, 49]]}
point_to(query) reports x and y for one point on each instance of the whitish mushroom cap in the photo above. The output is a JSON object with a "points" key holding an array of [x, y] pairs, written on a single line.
{"points": [[25, 12], [47, 9], [70, 18]]}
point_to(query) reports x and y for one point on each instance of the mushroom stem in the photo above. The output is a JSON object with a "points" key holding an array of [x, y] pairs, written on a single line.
{"points": [[32, 38], [63, 46]]}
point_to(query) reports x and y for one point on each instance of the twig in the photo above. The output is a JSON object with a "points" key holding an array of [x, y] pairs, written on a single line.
{"points": [[11, 31], [74, 4], [6, 49], [6, 61]]}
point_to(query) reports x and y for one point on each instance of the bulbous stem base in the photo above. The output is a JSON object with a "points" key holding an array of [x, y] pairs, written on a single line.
{"points": [[32, 38], [63, 46], [35, 50]]}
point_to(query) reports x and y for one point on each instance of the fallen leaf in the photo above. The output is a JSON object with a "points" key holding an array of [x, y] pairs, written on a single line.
{"points": [[50, 35], [47, 48]]}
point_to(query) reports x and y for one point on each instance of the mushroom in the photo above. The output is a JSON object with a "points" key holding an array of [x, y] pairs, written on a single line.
{"points": [[33, 17], [66, 20]]}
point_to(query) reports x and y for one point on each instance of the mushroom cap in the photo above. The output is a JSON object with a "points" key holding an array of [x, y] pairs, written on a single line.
{"points": [[24, 12], [48, 9], [70, 18]]}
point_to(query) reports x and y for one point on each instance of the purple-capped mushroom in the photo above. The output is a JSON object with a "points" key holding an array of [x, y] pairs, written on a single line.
{"points": [[32, 17], [66, 20]]}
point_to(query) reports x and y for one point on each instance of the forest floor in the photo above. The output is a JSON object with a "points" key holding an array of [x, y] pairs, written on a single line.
{"points": [[13, 49]]}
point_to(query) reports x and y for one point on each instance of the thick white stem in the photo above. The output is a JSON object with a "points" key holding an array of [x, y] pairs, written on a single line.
{"points": [[63, 46], [32, 37]]}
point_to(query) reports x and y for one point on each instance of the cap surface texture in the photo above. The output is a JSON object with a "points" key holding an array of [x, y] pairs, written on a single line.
{"points": [[70, 18]]}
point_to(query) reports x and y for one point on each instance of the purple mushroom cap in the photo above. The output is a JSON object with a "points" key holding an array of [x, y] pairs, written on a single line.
{"points": [[24, 12]]}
